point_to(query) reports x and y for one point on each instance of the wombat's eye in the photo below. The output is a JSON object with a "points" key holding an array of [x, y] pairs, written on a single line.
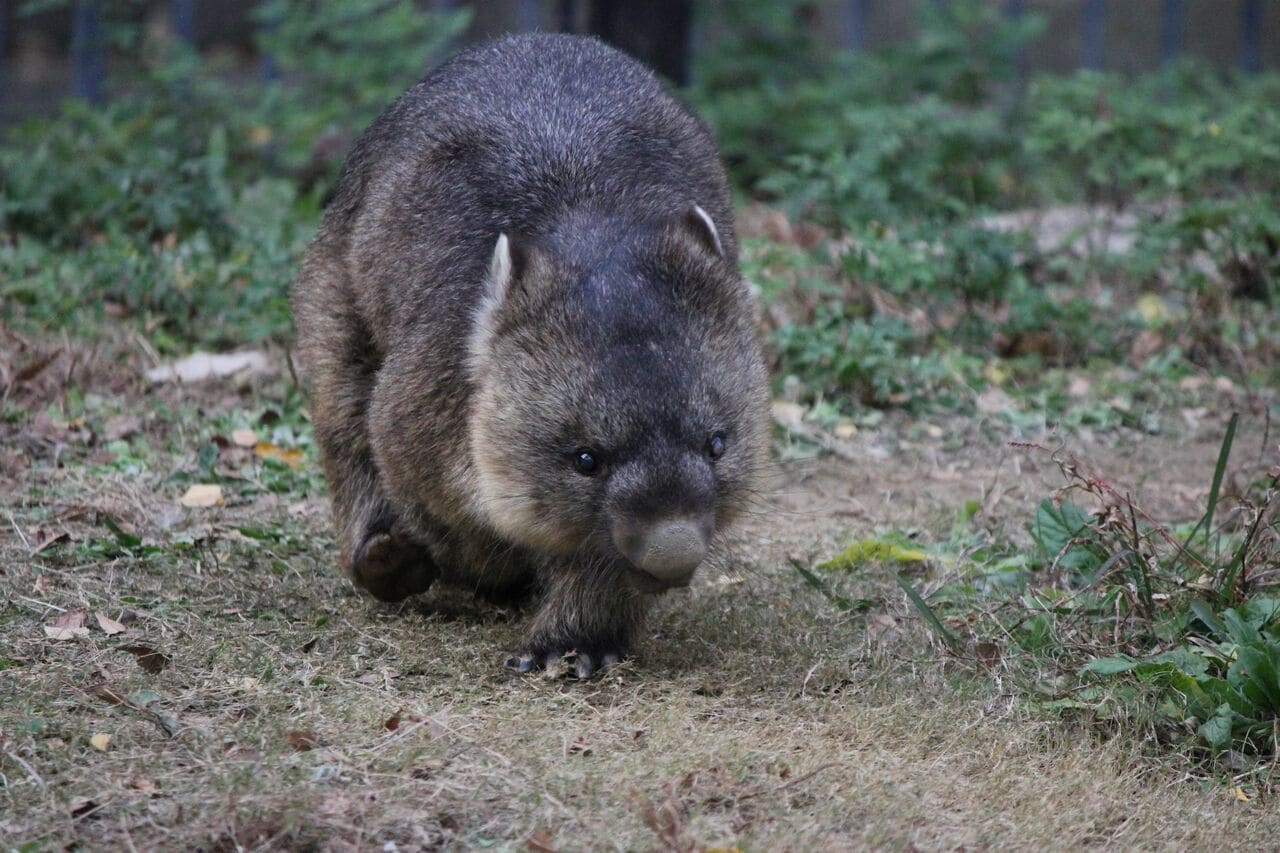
{"points": [[585, 463], [715, 445]]}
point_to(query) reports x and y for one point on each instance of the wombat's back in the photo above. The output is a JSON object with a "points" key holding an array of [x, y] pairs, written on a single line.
{"points": [[507, 137]]}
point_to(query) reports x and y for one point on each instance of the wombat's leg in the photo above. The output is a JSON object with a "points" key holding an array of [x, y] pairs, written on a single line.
{"points": [[590, 610], [341, 365]]}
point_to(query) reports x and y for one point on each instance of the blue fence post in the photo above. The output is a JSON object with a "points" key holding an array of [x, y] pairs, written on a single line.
{"points": [[88, 51], [1172, 25], [1016, 9], [855, 32], [268, 70], [529, 16], [1094, 18], [183, 19], [3, 35], [1251, 36]]}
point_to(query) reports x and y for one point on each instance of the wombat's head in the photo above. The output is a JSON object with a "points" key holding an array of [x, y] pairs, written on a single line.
{"points": [[620, 397]]}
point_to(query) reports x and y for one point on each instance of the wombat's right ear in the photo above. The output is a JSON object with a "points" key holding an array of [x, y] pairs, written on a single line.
{"points": [[503, 270], [704, 228]]}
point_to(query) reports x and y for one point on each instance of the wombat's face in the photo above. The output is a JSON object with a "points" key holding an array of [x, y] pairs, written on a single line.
{"points": [[619, 411]]}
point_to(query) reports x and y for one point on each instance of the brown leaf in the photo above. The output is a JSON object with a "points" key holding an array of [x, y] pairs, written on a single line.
{"points": [[148, 658], [987, 652], [393, 722], [34, 368], [55, 633], [46, 539], [82, 806], [139, 783], [71, 619], [540, 842], [109, 626], [302, 741]]}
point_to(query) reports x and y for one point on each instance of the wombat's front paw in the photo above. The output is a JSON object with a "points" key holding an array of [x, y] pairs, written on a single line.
{"points": [[581, 664], [392, 568]]}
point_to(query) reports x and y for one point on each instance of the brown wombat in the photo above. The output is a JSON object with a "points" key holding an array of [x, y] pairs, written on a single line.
{"points": [[532, 361]]}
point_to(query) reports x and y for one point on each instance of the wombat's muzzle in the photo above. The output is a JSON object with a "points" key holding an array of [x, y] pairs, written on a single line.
{"points": [[668, 551]]}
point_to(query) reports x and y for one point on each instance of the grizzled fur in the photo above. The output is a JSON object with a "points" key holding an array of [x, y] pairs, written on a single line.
{"points": [[530, 254]]}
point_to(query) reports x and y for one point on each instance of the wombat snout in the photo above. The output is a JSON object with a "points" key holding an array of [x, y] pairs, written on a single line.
{"points": [[668, 550]]}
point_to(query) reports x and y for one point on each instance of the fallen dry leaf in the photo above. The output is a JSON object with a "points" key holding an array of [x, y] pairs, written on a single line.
{"points": [[48, 538], [71, 619], [101, 741], [109, 626], [244, 437], [68, 626], [34, 368], [148, 658], [202, 495], [82, 806], [302, 741], [55, 633], [200, 366], [289, 456], [142, 784], [540, 842]]}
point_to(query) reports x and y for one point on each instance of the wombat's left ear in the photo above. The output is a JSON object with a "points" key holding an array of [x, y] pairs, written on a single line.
{"points": [[700, 223], [503, 270]]}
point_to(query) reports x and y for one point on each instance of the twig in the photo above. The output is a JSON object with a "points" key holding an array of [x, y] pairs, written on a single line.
{"points": [[26, 543], [796, 781], [43, 604], [18, 760]]}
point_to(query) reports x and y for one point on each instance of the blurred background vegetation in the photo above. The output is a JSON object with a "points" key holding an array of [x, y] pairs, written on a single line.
{"points": [[927, 216]]}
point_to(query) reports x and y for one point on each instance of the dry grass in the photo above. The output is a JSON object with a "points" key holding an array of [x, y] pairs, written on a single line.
{"points": [[756, 717]]}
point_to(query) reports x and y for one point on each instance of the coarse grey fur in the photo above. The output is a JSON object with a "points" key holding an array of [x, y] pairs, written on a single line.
{"points": [[531, 358]]}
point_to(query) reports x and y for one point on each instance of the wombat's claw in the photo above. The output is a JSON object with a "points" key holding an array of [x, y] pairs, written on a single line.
{"points": [[584, 665]]}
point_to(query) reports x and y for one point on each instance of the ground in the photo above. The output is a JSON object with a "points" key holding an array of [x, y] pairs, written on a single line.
{"points": [[239, 693]]}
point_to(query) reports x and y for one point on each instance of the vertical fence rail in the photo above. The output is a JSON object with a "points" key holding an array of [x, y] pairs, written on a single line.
{"points": [[1094, 25], [529, 16], [855, 29], [268, 70], [1016, 9], [4, 34], [1173, 22], [1251, 36], [88, 51], [182, 17]]}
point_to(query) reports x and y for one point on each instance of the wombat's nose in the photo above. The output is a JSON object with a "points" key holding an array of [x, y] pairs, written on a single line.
{"points": [[669, 550]]}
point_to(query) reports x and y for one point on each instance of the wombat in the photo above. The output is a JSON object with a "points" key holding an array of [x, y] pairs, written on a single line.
{"points": [[532, 361]]}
